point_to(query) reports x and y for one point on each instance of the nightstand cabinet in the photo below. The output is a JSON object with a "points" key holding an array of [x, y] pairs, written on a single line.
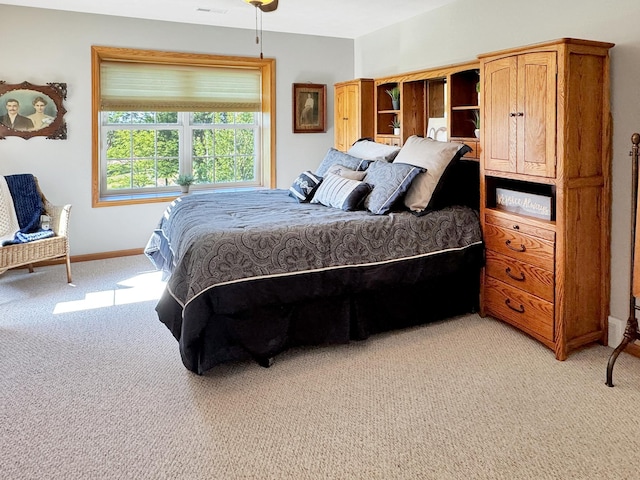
{"points": [[545, 190]]}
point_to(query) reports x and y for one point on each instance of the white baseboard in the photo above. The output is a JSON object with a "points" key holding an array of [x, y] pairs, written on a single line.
{"points": [[616, 331]]}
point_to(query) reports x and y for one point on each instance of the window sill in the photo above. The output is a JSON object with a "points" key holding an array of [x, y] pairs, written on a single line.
{"points": [[162, 197]]}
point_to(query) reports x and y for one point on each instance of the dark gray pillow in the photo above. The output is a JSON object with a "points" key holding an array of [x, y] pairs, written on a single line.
{"points": [[334, 157], [390, 182], [304, 186], [434, 157], [458, 185]]}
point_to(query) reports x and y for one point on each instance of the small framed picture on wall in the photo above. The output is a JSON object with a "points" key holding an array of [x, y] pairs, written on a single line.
{"points": [[28, 110], [309, 108]]}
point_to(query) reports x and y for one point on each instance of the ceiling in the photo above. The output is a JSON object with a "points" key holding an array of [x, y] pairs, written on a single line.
{"points": [[329, 18]]}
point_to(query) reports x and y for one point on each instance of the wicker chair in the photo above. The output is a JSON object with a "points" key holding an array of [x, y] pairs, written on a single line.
{"points": [[18, 255]]}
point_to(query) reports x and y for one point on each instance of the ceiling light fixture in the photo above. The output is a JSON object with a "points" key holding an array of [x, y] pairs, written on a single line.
{"points": [[258, 3]]}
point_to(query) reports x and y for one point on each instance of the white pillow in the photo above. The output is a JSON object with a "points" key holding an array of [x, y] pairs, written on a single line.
{"points": [[346, 172], [369, 150], [434, 157]]}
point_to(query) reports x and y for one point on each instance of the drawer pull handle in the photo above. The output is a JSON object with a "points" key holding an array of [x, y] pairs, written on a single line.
{"points": [[515, 249], [511, 275], [516, 227], [508, 304]]}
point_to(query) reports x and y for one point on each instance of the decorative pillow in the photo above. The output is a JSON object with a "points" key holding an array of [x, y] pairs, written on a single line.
{"points": [[390, 182], [346, 172], [370, 150], [340, 192], [434, 157], [459, 185], [334, 157], [304, 186]]}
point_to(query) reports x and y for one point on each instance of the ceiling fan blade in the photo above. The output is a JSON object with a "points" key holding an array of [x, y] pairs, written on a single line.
{"points": [[269, 7]]}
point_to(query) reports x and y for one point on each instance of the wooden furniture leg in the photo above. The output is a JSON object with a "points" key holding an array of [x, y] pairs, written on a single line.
{"points": [[68, 261]]}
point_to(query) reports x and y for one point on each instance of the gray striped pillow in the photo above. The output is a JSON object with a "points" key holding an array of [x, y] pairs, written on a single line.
{"points": [[340, 192]]}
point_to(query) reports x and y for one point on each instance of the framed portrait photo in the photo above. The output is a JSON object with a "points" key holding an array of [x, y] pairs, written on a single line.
{"points": [[309, 108], [28, 110]]}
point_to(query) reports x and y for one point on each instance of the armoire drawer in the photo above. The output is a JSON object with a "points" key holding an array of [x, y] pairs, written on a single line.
{"points": [[525, 248], [527, 277], [522, 309], [519, 224]]}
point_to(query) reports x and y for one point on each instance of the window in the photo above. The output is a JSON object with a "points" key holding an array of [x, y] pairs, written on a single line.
{"points": [[141, 151], [158, 115]]}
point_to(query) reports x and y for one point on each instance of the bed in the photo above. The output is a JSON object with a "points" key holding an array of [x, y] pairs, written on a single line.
{"points": [[251, 274]]}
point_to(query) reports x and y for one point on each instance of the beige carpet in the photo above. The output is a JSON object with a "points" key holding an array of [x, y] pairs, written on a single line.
{"points": [[92, 387]]}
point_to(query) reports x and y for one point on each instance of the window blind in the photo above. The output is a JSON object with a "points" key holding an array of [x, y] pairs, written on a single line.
{"points": [[129, 86]]}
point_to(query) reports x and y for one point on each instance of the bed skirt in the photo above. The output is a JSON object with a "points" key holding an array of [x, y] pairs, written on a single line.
{"points": [[210, 334]]}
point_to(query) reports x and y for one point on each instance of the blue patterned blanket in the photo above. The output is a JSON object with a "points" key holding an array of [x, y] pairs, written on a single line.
{"points": [[28, 206]]}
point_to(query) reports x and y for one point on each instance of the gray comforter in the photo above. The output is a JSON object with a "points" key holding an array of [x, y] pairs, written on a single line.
{"points": [[205, 241], [251, 274]]}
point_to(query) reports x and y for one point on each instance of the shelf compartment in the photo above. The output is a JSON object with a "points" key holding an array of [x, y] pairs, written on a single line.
{"points": [[463, 88], [493, 183], [413, 106], [383, 100], [384, 122], [462, 122]]}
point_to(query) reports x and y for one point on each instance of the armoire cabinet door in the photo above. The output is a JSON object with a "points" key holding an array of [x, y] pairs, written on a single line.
{"points": [[500, 100], [353, 112], [536, 114], [341, 118], [520, 114]]}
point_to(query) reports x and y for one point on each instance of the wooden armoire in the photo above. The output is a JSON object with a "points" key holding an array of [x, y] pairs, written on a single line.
{"points": [[546, 133]]}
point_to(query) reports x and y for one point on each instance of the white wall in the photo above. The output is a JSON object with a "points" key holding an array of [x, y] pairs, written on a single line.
{"points": [[460, 31], [55, 46]]}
